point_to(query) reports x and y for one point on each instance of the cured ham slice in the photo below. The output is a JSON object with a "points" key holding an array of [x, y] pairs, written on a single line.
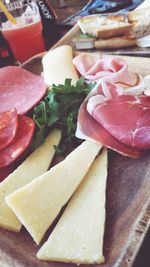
{"points": [[8, 127], [126, 118], [88, 128], [20, 89], [121, 126], [137, 89], [19, 144], [106, 89], [111, 69]]}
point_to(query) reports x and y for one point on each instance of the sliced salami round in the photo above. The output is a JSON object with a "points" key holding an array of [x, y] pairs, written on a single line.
{"points": [[19, 144], [8, 127], [20, 89]]}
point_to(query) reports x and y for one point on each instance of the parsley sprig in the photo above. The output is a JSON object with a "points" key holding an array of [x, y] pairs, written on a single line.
{"points": [[59, 109]]}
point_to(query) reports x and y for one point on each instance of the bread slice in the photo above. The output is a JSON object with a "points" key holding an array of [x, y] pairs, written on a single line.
{"points": [[104, 26], [140, 21], [115, 42]]}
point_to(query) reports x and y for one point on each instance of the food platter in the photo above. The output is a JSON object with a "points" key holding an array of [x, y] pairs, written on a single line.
{"points": [[127, 204]]}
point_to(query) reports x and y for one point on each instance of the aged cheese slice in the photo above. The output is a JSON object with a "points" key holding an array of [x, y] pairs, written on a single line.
{"points": [[57, 66], [38, 203], [78, 236], [36, 164]]}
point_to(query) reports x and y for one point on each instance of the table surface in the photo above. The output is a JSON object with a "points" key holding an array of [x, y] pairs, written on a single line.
{"points": [[72, 6]]}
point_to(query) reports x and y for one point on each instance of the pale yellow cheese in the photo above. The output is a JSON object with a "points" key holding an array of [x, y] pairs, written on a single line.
{"points": [[57, 66], [78, 235], [38, 203], [36, 164]]}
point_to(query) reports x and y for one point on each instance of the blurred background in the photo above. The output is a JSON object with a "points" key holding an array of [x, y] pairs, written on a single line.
{"points": [[58, 16]]}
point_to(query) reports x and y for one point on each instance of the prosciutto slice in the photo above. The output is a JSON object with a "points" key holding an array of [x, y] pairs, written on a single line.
{"points": [[111, 114], [20, 89], [88, 128], [111, 69], [126, 118]]}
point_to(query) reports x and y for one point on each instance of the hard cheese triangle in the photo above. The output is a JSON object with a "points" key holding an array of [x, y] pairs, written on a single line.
{"points": [[78, 236], [36, 164], [38, 203]]}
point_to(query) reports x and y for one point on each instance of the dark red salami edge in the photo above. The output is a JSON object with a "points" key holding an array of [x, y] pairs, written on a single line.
{"points": [[4, 172], [8, 127], [22, 140]]}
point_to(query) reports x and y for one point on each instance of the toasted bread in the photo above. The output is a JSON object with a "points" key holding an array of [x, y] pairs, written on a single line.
{"points": [[140, 21], [104, 26], [115, 42]]}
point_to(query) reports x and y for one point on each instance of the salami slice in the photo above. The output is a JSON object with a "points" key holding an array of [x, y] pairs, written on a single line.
{"points": [[20, 89], [8, 127], [21, 141], [4, 172]]}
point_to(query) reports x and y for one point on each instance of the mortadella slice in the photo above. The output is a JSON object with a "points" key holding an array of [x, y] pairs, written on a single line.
{"points": [[8, 127], [20, 89], [21, 141]]}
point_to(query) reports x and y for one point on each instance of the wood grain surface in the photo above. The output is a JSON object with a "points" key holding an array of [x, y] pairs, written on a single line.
{"points": [[127, 206]]}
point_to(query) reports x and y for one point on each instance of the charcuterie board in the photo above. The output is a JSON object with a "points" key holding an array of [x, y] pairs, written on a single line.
{"points": [[127, 204]]}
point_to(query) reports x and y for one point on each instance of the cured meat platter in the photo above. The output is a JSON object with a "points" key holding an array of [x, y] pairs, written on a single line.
{"points": [[127, 204]]}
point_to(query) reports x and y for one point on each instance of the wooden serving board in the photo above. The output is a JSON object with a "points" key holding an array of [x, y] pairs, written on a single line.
{"points": [[127, 205]]}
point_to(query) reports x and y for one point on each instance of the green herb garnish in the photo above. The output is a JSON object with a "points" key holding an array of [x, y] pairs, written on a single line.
{"points": [[85, 36], [59, 109]]}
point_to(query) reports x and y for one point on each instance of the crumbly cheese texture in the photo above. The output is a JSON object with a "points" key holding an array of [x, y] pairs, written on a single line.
{"points": [[37, 204], [78, 236], [36, 164], [57, 66]]}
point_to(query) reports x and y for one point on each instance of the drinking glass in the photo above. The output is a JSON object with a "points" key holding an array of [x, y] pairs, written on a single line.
{"points": [[25, 37]]}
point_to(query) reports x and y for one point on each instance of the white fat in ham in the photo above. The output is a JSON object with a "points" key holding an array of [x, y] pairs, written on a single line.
{"points": [[94, 101], [137, 89], [111, 69], [113, 81], [147, 83]]}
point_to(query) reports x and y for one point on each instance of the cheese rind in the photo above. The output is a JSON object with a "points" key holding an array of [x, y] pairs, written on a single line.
{"points": [[37, 204], [57, 66], [36, 164], [78, 236]]}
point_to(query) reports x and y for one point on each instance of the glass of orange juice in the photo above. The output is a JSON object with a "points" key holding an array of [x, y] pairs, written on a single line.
{"points": [[25, 37]]}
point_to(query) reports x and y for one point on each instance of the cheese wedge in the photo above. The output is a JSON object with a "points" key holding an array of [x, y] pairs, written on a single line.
{"points": [[57, 66], [78, 236], [38, 203], [36, 164]]}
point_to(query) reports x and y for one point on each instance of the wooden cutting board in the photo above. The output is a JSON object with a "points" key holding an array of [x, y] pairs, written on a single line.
{"points": [[127, 205]]}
